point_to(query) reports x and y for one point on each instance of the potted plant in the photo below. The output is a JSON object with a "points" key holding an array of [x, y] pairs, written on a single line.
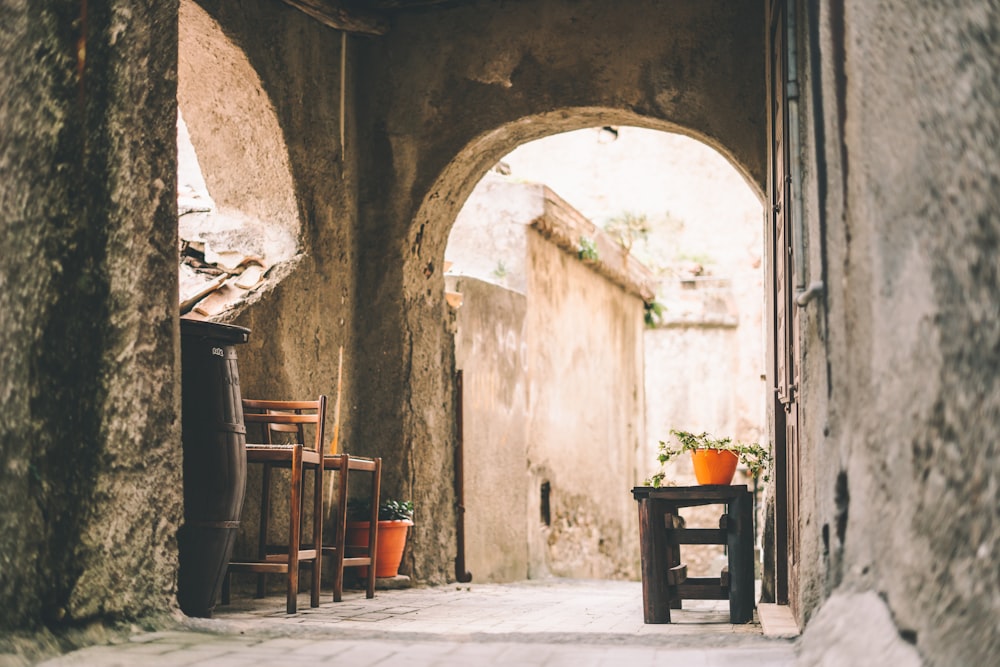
{"points": [[714, 459], [394, 520]]}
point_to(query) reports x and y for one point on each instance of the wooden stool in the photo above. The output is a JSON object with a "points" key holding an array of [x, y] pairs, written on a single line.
{"points": [[344, 465], [664, 578]]}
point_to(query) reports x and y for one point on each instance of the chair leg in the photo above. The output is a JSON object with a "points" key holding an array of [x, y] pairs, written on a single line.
{"points": [[265, 510], [226, 583], [317, 533], [373, 527], [294, 528]]}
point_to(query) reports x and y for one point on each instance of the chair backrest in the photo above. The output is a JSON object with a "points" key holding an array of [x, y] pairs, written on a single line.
{"points": [[287, 417]]}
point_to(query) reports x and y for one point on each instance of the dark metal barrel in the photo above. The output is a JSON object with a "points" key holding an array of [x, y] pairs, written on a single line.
{"points": [[215, 469]]}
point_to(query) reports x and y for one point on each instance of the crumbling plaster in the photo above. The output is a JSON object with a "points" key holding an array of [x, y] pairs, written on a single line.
{"points": [[232, 124], [478, 81]]}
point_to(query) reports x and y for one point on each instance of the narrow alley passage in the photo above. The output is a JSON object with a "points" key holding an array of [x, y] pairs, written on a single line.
{"points": [[550, 622]]}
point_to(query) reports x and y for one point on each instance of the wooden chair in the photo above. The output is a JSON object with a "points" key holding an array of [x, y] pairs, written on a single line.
{"points": [[286, 420], [344, 464]]}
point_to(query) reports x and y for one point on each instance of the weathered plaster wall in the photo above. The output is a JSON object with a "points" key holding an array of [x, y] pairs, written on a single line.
{"points": [[239, 148], [491, 351], [233, 126], [555, 390], [90, 478], [587, 407], [450, 92], [904, 187]]}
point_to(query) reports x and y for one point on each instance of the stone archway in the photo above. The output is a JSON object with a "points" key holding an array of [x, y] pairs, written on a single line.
{"points": [[446, 95], [423, 305]]}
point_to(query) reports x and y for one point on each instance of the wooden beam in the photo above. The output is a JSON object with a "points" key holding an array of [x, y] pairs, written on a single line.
{"points": [[696, 536], [410, 4], [703, 588], [677, 574], [330, 13]]}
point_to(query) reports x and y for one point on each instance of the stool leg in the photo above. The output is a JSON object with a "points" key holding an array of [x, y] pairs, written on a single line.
{"points": [[317, 534], [373, 528], [653, 549], [340, 539], [740, 547], [673, 553]]}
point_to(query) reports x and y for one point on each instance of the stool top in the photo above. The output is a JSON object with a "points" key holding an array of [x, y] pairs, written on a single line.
{"points": [[720, 492]]}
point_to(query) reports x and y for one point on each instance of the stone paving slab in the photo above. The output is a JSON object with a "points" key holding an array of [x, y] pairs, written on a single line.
{"points": [[547, 623]]}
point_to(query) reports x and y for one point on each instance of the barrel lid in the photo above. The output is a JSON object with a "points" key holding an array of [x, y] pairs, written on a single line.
{"points": [[226, 333]]}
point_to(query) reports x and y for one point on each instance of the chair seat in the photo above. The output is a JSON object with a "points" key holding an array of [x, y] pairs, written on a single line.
{"points": [[280, 455]]}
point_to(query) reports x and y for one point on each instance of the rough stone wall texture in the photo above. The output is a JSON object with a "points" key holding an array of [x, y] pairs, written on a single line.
{"points": [[90, 487], [477, 81], [585, 361], [906, 462], [490, 349]]}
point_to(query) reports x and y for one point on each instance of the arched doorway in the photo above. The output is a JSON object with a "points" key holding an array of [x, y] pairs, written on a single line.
{"points": [[427, 417], [555, 353]]}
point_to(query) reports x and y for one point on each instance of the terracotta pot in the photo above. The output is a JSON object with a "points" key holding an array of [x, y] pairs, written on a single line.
{"points": [[389, 550], [714, 466]]}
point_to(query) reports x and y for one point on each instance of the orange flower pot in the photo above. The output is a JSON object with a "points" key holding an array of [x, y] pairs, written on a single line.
{"points": [[714, 466], [389, 550]]}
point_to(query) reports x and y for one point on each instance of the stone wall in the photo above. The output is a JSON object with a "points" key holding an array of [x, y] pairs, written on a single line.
{"points": [[901, 401], [90, 481], [491, 351], [587, 402], [554, 414]]}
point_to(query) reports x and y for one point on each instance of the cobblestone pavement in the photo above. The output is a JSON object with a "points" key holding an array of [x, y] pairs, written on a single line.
{"points": [[547, 623]]}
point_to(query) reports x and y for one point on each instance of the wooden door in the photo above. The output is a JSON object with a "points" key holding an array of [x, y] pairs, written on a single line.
{"points": [[784, 316]]}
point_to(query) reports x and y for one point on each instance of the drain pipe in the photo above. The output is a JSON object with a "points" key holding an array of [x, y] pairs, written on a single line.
{"points": [[803, 293], [461, 575]]}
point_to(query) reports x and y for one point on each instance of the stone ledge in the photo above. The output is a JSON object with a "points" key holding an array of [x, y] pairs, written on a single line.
{"points": [[563, 225], [400, 581], [776, 620]]}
